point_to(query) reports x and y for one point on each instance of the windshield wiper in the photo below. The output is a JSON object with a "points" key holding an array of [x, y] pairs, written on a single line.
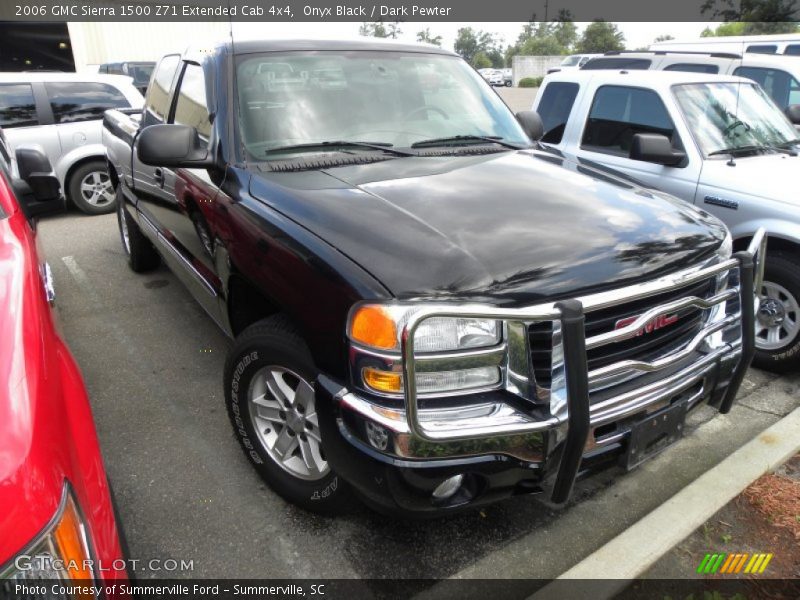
{"points": [[443, 141], [794, 142], [383, 146], [738, 149]]}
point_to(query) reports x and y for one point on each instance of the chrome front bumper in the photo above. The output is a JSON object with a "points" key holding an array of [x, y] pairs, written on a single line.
{"points": [[576, 406]]}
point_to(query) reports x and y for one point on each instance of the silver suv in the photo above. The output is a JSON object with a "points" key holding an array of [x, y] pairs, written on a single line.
{"points": [[63, 113]]}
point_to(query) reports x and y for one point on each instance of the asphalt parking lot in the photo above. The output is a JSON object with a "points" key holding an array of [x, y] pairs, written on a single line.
{"points": [[153, 361]]}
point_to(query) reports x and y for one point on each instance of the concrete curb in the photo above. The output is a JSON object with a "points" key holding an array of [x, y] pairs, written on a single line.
{"points": [[637, 548]]}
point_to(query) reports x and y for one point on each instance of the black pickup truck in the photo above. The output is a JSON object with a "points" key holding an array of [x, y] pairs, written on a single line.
{"points": [[426, 307]]}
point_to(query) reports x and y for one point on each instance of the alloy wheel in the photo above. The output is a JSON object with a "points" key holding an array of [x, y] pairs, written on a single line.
{"points": [[778, 318], [281, 405]]}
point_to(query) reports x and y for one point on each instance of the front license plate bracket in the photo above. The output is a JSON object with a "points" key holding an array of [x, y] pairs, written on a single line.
{"points": [[654, 433]]}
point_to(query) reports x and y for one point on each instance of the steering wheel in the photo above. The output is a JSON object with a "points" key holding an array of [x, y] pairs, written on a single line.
{"points": [[425, 109]]}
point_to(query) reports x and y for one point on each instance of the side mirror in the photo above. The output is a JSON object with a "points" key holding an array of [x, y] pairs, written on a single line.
{"points": [[793, 112], [532, 124], [172, 146], [38, 191], [655, 148]]}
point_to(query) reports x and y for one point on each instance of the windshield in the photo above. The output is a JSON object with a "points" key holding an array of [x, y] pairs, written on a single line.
{"points": [[570, 61], [388, 98], [719, 121]]}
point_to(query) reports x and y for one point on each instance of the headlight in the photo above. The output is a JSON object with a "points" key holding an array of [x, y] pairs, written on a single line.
{"points": [[380, 327], [61, 552]]}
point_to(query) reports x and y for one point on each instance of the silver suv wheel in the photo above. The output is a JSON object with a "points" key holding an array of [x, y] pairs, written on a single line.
{"points": [[96, 188]]}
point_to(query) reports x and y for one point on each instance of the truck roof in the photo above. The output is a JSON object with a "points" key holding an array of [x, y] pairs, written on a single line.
{"points": [[653, 79], [289, 45]]}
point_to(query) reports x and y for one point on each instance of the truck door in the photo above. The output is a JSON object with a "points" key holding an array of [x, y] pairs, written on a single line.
{"points": [[189, 220], [615, 115], [155, 185]]}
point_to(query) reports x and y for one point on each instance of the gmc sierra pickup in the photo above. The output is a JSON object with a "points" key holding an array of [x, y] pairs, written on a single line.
{"points": [[425, 307]]}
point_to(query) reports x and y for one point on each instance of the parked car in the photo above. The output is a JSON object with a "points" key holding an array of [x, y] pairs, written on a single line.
{"points": [[425, 307], [493, 77], [63, 113], [717, 142], [140, 71], [508, 77], [778, 75], [55, 503], [573, 61], [783, 43]]}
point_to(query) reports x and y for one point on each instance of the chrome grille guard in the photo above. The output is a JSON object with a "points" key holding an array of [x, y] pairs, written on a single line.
{"points": [[572, 408]]}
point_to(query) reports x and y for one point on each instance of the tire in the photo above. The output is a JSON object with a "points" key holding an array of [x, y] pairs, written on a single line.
{"points": [[508, 84], [141, 254], [782, 304], [91, 190], [269, 351]]}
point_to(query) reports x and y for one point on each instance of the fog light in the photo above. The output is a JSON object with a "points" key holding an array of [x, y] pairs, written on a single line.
{"points": [[377, 436], [383, 381], [448, 487]]}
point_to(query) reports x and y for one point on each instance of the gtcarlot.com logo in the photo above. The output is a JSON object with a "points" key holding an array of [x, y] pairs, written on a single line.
{"points": [[27, 562], [730, 564]]}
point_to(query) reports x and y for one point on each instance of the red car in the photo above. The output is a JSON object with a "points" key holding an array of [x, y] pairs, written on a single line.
{"points": [[56, 515]]}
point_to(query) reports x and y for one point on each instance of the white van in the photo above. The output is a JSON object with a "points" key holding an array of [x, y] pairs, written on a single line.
{"points": [[63, 112], [783, 43]]}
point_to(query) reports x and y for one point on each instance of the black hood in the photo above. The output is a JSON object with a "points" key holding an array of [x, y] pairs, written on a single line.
{"points": [[511, 227]]}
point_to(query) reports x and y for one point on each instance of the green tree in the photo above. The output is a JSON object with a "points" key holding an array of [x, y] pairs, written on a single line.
{"points": [[469, 43], [565, 30], [377, 29], [768, 16], [425, 37], [599, 37], [380, 29], [481, 61]]}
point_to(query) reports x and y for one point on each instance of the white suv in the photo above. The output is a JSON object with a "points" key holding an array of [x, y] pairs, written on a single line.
{"points": [[779, 75], [63, 112]]}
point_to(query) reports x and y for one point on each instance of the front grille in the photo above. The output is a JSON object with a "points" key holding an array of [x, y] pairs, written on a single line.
{"points": [[645, 347]]}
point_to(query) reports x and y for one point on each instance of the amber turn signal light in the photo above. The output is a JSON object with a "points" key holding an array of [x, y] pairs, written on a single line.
{"points": [[383, 381], [374, 326]]}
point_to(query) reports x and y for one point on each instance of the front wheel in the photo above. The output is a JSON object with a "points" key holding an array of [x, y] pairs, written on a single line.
{"points": [[778, 317], [271, 403]]}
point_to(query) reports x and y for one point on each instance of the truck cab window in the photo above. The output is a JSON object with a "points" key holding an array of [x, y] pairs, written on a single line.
{"points": [[17, 106], [554, 108], [618, 113], [780, 85], [191, 107], [631, 64], [792, 50], [158, 94]]}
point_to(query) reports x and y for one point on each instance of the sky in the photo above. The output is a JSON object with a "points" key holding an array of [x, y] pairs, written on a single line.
{"points": [[636, 34]]}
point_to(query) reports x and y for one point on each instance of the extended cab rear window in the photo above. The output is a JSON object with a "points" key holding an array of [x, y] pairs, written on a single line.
{"points": [[17, 106], [620, 112], [554, 108], [618, 62], [158, 94]]}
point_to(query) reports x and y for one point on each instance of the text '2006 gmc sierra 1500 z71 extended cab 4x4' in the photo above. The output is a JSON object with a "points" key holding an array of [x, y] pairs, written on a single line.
{"points": [[426, 308]]}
